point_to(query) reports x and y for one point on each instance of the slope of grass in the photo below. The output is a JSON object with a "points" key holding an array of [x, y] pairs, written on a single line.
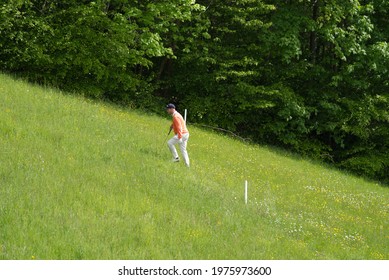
{"points": [[83, 180]]}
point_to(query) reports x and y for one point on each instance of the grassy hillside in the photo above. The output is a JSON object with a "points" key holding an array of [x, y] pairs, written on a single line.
{"points": [[83, 180]]}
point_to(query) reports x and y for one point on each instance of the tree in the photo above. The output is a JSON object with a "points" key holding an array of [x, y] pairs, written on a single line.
{"points": [[103, 48], [217, 75], [330, 59]]}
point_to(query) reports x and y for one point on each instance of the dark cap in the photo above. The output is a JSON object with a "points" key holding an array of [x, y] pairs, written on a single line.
{"points": [[170, 106]]}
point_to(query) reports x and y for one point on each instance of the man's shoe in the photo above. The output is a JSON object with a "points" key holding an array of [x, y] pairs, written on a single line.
{"points": [[176, 160]]}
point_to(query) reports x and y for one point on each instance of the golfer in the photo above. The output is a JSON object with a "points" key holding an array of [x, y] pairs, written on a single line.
{"points": [[181, 135]]}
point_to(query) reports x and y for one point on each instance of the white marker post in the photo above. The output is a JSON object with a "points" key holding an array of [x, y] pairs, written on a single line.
{"points": [[185, 115], [245, 191]]}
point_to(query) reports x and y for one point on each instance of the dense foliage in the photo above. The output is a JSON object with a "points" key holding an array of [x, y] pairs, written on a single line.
{"points": [[308, 75]]}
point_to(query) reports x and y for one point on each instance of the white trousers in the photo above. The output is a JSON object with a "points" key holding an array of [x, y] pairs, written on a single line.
{"points": [[182, 143]]}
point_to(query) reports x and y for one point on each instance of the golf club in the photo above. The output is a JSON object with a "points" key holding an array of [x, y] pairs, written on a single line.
{"points": [[170, 130]]}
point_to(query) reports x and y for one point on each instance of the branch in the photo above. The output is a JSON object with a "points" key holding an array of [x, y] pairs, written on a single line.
{"points": [[224, 130]]}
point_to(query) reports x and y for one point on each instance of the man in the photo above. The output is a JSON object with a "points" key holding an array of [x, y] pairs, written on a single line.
{"points": [[181, 135]]}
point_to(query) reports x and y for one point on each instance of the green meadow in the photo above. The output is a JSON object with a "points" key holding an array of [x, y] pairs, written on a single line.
{"points": [[81, 179]]}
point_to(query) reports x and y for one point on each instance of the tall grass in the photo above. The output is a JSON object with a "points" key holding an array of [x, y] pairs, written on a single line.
{"points": [[85, 180]]}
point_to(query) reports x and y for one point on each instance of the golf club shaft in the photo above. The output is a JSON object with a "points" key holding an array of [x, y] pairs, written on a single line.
{"points": [[170, 130]]}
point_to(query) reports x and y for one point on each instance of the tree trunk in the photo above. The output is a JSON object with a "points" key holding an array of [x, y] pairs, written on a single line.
{"points": [[313, 35]]}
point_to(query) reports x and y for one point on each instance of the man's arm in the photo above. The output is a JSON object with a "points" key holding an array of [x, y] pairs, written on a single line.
{"points": [[177, 127]]}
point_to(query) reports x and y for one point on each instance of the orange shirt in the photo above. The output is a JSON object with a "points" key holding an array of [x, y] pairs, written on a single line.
{"points": [[179, 125]]}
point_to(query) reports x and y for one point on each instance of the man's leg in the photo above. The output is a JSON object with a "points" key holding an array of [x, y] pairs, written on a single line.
{"points": [[183, 145], [174, 140]]}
